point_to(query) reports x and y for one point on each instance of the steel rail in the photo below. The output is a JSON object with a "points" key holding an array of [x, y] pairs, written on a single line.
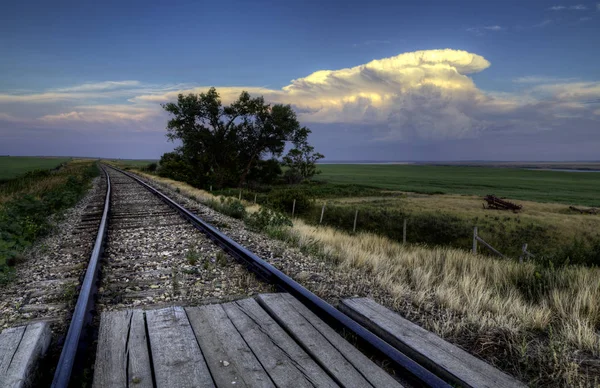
{"points": [[415, 373], [85, 303]]}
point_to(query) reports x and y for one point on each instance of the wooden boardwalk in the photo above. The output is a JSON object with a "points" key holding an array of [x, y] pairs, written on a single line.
{"points": [[20, 350], [270, 341]]}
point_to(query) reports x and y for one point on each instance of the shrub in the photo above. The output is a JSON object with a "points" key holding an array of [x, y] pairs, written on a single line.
{"points": [[150, 167], [266, 218], [283, 201], [228, 206]]}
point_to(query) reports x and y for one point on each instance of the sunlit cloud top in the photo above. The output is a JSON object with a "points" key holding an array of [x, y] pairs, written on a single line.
{"points": [[415, 95]]}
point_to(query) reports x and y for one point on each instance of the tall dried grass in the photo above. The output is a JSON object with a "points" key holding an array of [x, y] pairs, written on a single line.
{"points": [[486, 291], [547, 319]]}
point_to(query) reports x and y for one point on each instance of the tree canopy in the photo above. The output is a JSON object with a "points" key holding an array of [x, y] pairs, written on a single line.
{"points": [[225, 145]]}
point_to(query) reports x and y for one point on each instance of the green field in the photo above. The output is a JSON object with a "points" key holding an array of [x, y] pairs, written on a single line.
{"points": [[579, 188], [133, 163], [13, 166]]}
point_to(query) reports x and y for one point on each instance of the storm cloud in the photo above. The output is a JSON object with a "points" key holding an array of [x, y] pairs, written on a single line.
{"points": [[421, 97]]}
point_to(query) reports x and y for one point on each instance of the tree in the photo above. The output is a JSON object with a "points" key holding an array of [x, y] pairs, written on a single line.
{"points": [[302, 159], [265, 172], [222, 144]]}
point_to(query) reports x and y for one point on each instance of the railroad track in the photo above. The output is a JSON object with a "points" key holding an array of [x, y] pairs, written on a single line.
{"points": [[152, 247]]}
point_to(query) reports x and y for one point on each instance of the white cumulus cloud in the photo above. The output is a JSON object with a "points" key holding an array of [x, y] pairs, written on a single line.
{"points": [[416, 95]]}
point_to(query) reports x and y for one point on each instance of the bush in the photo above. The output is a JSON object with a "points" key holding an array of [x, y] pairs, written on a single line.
{"points": [[266, 218], [229, 206], [579, 251], [174, 167], [150, 167], [283, 201]]}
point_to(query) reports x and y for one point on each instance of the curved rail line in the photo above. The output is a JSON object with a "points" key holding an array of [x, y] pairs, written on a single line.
{"points": [[412, 371]]}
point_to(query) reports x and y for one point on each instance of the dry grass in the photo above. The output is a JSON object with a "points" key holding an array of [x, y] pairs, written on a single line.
{"points": [[192, 192], [565, 224], [482, 296], [539, 324]]}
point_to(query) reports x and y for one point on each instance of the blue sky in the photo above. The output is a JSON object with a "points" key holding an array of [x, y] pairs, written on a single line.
{"points": [[87, 78]]}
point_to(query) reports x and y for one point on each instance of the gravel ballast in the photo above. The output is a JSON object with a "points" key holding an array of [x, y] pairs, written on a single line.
{"points": [[325, 278], [155, 258], [46, 282]]}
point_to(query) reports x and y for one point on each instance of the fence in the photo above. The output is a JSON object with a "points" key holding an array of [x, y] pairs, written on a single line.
{"points": [[476, 238]]}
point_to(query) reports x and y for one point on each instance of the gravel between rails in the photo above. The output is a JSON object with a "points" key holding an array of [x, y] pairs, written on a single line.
{"points": [[155, 258], [325, 278], [46, 283]]}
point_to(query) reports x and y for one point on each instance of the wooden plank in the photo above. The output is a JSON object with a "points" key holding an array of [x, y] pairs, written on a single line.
{"points": [[33, 344], [284, 360], [228, 357], [349, 366], [176, 356], [110, 369], [491, 248], [441, 357], [140, 369], [122, 356]]}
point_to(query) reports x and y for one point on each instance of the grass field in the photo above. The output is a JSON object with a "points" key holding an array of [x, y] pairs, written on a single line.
{"points": [[133, 163], [13, 166], [577, 188], [27, 201]]}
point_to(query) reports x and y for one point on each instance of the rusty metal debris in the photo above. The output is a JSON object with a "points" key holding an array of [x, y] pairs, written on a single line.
{"points": [[500, 204]]}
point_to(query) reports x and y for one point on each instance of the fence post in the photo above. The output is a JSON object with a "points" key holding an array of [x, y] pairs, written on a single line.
{"points": [[523, 255], [404, 233], [211, 188], [240, 196], [355, 218], [475, 240], [293, 208], [255, 198], [322, 212]]}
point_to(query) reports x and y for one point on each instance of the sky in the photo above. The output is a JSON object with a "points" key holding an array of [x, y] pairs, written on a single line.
{"points": [[422, 80]]}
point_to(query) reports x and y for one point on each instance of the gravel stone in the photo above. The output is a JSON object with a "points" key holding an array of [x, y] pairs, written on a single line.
{"points": [[155, 258], [47, 281], [322, 276]]}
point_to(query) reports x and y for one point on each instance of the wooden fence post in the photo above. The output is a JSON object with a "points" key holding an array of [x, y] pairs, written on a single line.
{"points": [[211, 188], [240, 196], [404, 232], [322, 212], [293, 208], [355, 218], [475, 240], [523, 255], [255, 198]]}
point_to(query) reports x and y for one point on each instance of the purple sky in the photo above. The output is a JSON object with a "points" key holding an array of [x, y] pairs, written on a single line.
{"points": [[422, 80]]}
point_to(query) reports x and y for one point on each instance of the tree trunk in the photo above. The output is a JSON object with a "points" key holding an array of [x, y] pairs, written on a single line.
{"points": [[246, 171]]}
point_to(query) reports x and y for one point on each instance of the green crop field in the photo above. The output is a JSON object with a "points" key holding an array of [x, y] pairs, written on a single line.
{"points": [[134, 163], [580, 188], [13, 166]]}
